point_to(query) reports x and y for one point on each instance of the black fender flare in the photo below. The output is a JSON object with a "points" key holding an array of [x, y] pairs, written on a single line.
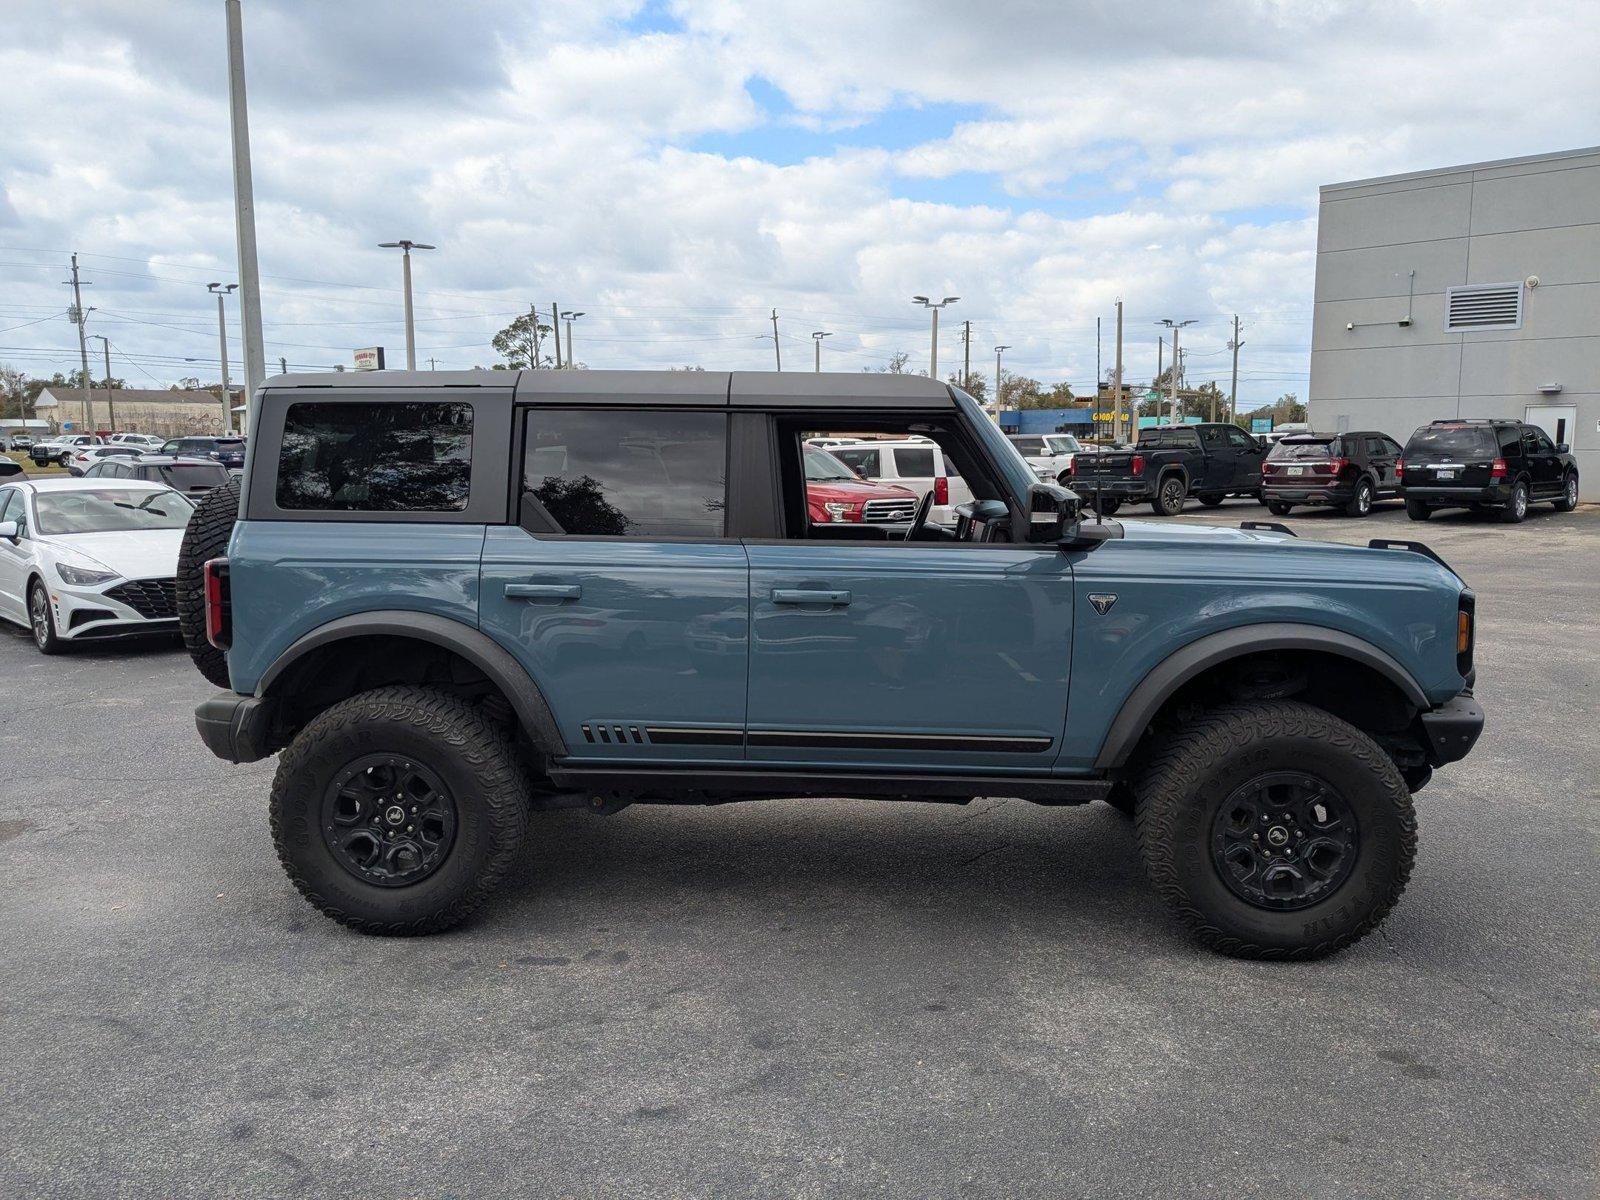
{"points": [[477, 647], [1182, 665]]}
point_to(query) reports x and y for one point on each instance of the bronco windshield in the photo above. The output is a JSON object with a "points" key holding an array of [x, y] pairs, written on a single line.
{"points": [[110, 510]]}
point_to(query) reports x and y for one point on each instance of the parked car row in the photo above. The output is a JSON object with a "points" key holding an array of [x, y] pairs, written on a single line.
{"points": [[63, 450]]}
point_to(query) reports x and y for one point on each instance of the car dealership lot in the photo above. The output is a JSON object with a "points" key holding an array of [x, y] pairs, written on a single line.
{"points": [[801, 997]]}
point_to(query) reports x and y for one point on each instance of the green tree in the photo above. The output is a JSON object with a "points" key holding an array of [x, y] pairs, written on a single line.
{"points": [[974, 384], [521, 343]]}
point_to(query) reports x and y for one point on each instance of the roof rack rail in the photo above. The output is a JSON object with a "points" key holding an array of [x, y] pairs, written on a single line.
{"points": [[1473, 421], [1268, 527], [1415, 548]]}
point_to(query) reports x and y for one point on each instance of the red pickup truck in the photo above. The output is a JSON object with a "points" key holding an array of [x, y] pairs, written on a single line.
{"points": [[836, 493]]}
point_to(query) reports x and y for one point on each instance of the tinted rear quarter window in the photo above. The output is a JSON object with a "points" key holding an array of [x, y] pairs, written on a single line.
{"points": [[625, 473], [342, 457], [914, 464]]}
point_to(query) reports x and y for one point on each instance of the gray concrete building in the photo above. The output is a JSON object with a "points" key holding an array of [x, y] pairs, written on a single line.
{"points": [[1463, 292]]}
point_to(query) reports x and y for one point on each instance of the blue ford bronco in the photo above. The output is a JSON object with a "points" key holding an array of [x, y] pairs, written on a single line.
{"points": [[448, 601]]}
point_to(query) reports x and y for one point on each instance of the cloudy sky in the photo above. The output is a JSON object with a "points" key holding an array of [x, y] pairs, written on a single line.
{"points": [[679, 168]]}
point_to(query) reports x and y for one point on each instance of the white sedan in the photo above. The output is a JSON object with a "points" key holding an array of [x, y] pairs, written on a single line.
{"points": [[86, 559]]}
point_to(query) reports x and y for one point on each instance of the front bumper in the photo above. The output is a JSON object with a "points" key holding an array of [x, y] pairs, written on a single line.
{"points": [[236, 728], [87, 614], [1451, 730]]}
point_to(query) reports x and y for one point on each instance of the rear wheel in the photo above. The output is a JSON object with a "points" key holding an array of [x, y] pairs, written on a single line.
{"points": [[397, 811], [1569, 493], [1170, 495], [1275, 830], [1417, 510], [1106, 506], [1361, 503], [205, 538], [1278, 508], [1517, 507]]}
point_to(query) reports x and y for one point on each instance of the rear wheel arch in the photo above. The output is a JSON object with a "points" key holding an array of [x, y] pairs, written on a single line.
{"points": [[361, 652], [1200, 661]]}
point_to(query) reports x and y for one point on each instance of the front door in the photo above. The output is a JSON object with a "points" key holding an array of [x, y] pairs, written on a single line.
{"points": [[905, 655], [619, 592], [1247, 457], [14, 560], [1559, 421]]}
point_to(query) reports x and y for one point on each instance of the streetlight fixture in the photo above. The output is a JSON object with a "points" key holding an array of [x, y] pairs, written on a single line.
{"points": [[569, 317], [998, 351], [221, 294], [933, 355], [1172, 381], [816, 340], [406, 247]]}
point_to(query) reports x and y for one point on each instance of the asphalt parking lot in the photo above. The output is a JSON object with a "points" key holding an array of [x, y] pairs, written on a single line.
{"points": [[808, 998]]}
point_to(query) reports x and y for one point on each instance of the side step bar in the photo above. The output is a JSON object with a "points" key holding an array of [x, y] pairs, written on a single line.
{"points": [[666, 785]]}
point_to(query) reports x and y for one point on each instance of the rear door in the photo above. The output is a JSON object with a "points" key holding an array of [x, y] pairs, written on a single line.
{"points": [[1381, 456], [1544, 467], [1217, 468], [619, 590]]}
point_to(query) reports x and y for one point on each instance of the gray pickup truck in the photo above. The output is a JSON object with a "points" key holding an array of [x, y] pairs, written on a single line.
{"points": [[1169, 464]]}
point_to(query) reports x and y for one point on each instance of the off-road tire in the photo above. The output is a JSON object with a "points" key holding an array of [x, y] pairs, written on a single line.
{"points": [[1417, 510], [1106, 506], [205, 538], [1193, 773], [1568, 499], [1211, 499], [1278, 509], [477, 763], [1122, 798], [1171, 492], [1360, 503], [1516, 508]]}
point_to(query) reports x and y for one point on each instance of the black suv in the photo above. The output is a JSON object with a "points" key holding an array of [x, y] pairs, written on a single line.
{"points": [[1349, 470], [1498, 465], [229, 451]]}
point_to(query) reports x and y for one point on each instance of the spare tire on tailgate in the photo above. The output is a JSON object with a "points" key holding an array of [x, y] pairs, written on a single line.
{"points": [[205, 538]]}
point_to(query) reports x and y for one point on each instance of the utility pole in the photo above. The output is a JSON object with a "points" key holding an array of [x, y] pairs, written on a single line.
{"points": [[1098, 378], [1177, 362], [555, 328], [433, 364], [816, 339], [569, 317], [966, 352], [933, 352], [777, 351], [405, 246], [283, 366], [1233, 388], [244, 211], [78, 318], [1116, 380], [111, 402], [998, 351], [222, 339]]}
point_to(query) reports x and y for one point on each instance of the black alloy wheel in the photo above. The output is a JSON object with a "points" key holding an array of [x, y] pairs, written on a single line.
{"points": [[1170, 495], [388, 820], [1284, 840]]}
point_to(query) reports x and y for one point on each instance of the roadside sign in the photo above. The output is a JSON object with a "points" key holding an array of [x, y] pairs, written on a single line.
{"points": [[1260, 424], [369, 359]]}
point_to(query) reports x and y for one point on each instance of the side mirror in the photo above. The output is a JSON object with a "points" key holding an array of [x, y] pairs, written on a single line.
{"points": [[1563, 448], [1051, 510], [9, 530]]}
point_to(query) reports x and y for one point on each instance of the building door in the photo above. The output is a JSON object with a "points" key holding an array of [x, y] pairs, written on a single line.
{"points": [[1560, 421]]}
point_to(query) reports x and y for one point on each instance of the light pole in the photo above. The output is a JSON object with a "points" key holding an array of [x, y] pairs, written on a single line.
{"points": [[933, 353], [244, 210], [222, 339], [569, 317], [998, 351], [816, 340], [1172, 390], [405, 247], [111, 403]]}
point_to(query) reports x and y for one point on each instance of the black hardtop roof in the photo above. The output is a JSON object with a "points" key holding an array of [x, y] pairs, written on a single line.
{"points": [[751, 389]]}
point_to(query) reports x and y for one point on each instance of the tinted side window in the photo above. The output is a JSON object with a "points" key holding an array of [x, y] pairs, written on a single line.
{"points": [[914, 464], [629, 473], [863, 461], [376, 457], [1240, 439], [1510, 442]]}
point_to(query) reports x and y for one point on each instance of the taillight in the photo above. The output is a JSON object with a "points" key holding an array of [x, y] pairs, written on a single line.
{"points": [[219, 615], [1137, 465], [1497, 469], [941, 490], [1337, 465], [1399, 467], [1268, 468]]}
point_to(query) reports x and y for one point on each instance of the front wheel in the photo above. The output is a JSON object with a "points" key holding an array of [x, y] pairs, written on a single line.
{"points": [[1275, 830], [1417, 510], [398, 810], [42, 622], [1569, 494], [64, 460], [1210, 499], [1170, 495]]}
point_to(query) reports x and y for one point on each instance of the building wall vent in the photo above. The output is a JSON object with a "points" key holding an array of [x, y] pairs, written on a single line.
{"points": [[1484, 306]]}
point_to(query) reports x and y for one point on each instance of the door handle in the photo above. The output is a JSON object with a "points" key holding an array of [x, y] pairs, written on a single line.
{"points": [[809, 596], [543, 591]]}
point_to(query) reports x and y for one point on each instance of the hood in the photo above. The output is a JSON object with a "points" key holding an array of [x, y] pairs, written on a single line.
{"points": [[857, 490], [1296, 555], [133, 554]]}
